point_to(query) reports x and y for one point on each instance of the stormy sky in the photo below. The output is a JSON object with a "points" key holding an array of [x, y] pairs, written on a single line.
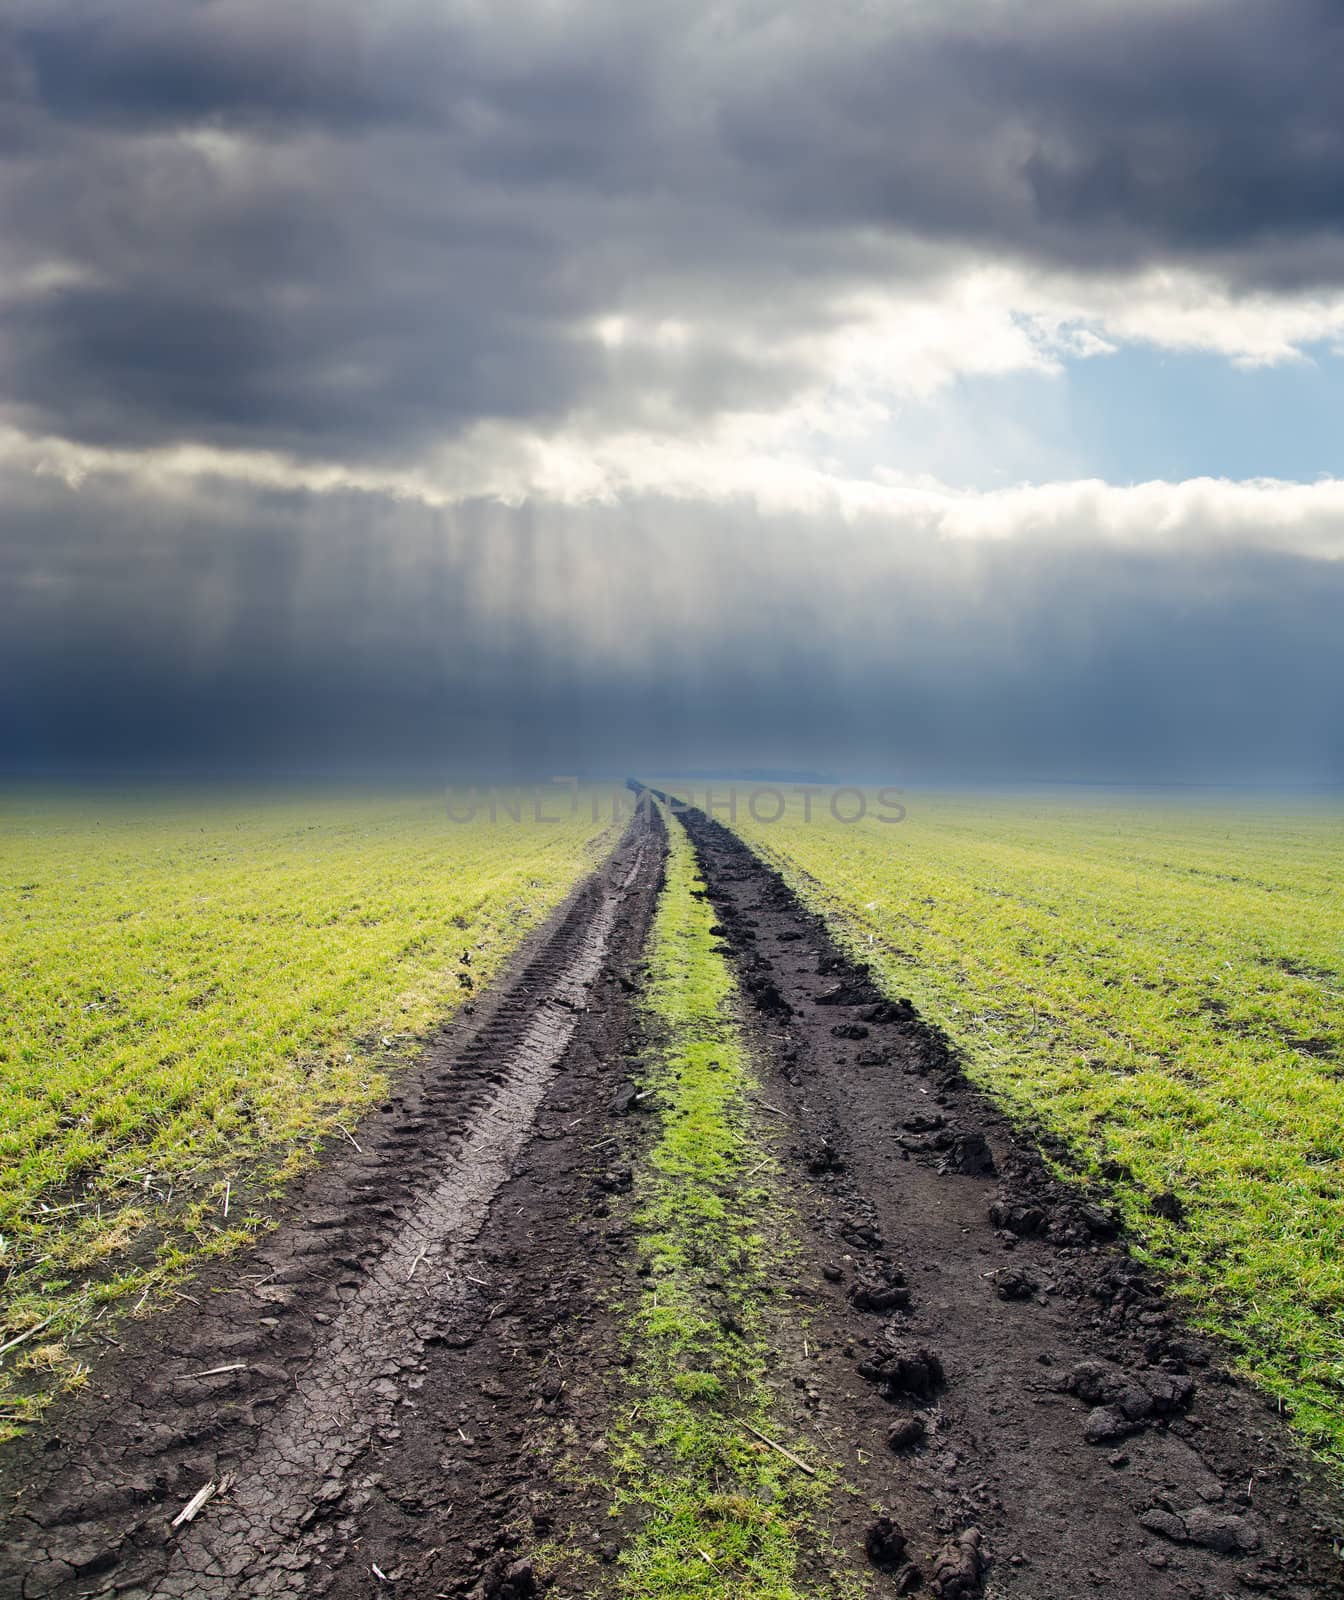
{"points": [[941, 390]]}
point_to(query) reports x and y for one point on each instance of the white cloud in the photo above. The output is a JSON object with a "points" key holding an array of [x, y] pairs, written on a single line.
{"points": [[1185, 311], [572, 470], [986, 320], [872, 357]]}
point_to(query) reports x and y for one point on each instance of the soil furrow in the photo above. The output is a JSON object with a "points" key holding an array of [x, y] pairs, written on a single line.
{"points": [[990, 1366], [281, 1378]]}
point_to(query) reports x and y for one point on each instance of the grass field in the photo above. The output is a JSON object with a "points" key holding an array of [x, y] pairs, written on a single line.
{"points": [[196, 992], [1162, 986]]}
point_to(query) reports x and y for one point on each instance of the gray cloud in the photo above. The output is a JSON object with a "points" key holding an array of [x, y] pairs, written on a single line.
{"points": [[347, 231], [235, 631]]}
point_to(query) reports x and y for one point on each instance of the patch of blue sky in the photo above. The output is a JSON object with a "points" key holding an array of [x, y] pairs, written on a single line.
{"points": [[1133, 416]]}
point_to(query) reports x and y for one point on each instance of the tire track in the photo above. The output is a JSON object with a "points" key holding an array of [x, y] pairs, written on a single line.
{"points": [[338, 1405], [358, 1286], [1011, 1383]]}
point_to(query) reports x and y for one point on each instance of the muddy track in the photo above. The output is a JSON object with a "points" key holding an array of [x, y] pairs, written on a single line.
{"points": [[993, 1368], [410, 1386], [295, 1372]]}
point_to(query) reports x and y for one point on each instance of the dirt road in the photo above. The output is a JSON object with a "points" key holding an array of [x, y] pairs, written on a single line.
{"points": [[410, 1386]]}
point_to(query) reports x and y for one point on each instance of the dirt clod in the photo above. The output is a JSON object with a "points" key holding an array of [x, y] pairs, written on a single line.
{"points": [[1123, 1403], [824, 1157], [1013, 1283], [902, 1367], [857, 993], [1220, 1531], [888, 1012], [883, 1290], [768, 999], [906, 1432], [1105, 1424], [959, 1567], [507, 1580], [970, 1156], [1023, 1220], [885, 1543]]}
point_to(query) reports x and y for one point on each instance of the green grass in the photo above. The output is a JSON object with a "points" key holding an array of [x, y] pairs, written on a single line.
{"points": [[197, 991], [1163, 986], [718, 1513]]}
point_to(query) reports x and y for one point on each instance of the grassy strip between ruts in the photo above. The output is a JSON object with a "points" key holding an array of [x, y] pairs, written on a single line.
{"points": [[198, 989], [719, 1513]]}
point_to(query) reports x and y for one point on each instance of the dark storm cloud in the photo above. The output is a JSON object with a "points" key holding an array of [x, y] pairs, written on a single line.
{"points": [[1085, 136], [351, 232], [230, 631], [348, 231]]}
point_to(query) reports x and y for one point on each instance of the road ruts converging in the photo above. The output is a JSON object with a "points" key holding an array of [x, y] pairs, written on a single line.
{"points": [[410, 1386]]}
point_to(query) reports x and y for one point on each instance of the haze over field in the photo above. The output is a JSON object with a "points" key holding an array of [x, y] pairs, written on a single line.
{"points": [[943, 391]]}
